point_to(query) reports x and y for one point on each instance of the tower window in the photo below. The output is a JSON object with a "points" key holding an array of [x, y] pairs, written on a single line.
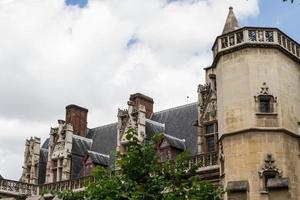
{"points": [[265, 105], [265, 102]]}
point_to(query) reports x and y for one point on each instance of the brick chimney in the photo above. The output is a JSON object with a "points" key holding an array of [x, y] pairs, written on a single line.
{"points": [[144, 100], [77, 117]]}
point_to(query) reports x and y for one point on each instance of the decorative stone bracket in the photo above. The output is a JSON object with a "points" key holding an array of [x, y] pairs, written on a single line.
{"points": [[270, 168], [272, 176]]}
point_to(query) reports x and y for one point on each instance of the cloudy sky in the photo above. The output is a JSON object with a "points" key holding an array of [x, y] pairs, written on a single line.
{"points": [[95, 53]]}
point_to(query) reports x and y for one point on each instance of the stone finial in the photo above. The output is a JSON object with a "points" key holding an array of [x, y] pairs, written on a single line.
{"points": [[231, 23]]}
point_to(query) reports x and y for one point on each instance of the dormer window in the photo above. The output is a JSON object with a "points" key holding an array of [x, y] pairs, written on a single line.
{"points": [[88, 167], [93, 159], [169, 147]]}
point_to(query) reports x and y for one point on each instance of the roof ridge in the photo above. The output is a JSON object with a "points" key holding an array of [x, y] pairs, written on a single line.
{"points": [[155, 123], [175, 138], [177, 107], [98, 127], [82, 138], [105, 155]]}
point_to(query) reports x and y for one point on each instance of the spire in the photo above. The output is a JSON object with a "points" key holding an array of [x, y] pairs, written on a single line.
{"points": [[231, 22]]}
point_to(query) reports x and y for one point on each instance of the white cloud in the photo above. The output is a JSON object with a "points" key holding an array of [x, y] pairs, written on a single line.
{"points": [[52, 55]]}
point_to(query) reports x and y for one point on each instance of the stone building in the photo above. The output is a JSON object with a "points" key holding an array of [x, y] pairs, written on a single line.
{"points": [[245, 127]]}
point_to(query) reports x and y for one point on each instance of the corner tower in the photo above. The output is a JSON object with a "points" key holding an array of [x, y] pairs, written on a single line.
{"points": [[255, 75]]}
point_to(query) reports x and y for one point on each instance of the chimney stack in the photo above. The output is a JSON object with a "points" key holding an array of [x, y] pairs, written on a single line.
{"points": [[77, 117], [144, 100]]}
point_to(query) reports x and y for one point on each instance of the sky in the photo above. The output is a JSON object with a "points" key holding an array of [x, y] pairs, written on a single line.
{"points": [[96, 53]]}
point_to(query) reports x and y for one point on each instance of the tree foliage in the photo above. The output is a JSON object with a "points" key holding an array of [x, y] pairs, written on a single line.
{"points": [[139, 176]]}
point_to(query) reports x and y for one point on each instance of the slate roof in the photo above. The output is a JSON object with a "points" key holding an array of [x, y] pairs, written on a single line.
{"points": [[1, 177], [76, 166], [179, 122], [80, 145], [175, 142], [45, 144], [98, 158], [153, 127], [100, 142], [42, 165], [104, 140]]}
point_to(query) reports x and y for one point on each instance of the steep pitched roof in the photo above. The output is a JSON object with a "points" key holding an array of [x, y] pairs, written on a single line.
{"points": [[153, 127], [42, 165], [45, 144], [175, 142], [176, 123], [179, 122], [80, 145], [104, 140], [98, 158], [231, 23]]}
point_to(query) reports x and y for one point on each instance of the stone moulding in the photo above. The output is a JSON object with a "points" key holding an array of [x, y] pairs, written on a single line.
{"points": [[260, 129], [237, 186]]}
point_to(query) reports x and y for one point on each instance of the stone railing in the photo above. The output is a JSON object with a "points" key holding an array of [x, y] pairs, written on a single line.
{"points": [[73, 184], [254, 35], [205, 159], [18, 188]]}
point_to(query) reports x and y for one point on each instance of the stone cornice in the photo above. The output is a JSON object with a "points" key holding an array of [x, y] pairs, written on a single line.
{"points": [[259, 129]]}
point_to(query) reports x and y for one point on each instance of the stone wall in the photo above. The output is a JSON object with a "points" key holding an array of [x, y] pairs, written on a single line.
{"points": [[240, 76], [245, 153], [248, 135]]}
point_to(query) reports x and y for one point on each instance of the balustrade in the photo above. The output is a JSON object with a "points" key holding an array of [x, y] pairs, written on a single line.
{"points": [[248, 35], [18, 188], [205, 159], [72, 184]]}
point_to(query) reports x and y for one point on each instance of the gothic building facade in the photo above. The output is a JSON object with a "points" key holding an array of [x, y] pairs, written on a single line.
{"points": [[246, 119]]}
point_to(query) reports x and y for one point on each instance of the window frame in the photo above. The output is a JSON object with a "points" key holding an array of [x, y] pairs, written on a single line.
{"points": [[214, 134]]}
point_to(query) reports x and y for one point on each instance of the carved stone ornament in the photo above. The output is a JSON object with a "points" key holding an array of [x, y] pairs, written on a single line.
{"points": [[265, 92], [264, 89], [270, 168], [207, 103]]}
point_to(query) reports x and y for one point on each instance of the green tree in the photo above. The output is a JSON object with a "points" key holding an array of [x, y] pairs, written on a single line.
{"points": [[139, 176]]}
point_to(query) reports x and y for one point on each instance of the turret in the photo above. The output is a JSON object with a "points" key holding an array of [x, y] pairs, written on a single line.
{"points": [[256, 72]]}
